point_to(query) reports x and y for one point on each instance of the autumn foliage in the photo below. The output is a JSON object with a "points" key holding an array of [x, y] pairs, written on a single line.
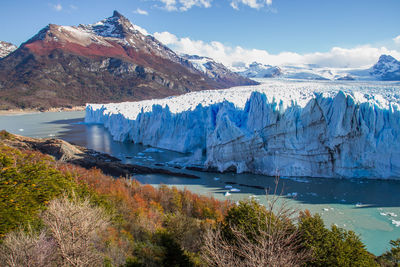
{"points": [[57, 214], [145, 221]]}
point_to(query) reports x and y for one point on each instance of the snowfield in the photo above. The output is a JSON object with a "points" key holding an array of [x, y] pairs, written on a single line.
{"points": [[281, 127]]}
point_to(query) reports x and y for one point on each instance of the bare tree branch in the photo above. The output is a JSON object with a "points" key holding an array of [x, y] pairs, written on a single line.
{"points": [[274, 240], [74, 225]]}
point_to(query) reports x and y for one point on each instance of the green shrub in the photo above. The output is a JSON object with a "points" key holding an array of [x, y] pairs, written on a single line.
{"points": [[249, 217], [391, 257], [334, 247], [27, 184]]}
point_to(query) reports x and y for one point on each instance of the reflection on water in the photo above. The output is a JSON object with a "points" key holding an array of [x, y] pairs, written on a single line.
{"points": [[369, 207]]}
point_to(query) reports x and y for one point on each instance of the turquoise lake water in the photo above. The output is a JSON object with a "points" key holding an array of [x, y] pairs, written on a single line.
{"points": [[369, 207]]}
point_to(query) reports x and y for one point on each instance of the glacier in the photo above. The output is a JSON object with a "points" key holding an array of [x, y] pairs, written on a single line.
{"points": [[286, 128]]}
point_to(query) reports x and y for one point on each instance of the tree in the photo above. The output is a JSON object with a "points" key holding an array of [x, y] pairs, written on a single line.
{"points": [[20, 248], [74, 224], [334, 247], [251, 235], [392, 257]]}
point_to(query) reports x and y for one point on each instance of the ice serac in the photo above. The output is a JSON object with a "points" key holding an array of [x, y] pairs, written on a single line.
{"points": [[325, 134]]}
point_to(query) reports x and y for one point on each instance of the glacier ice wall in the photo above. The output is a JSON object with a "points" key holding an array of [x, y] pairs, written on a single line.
{"points": [[336, 135]]}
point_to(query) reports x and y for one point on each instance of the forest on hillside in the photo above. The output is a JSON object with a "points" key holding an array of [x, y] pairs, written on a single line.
{"points": [[59, 214]]}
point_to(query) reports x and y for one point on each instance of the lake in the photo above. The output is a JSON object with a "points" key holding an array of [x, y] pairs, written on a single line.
{"points": [[369, 207]]}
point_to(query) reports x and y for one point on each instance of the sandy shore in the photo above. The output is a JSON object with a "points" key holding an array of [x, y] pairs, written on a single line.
{"points": [[29, 111]]}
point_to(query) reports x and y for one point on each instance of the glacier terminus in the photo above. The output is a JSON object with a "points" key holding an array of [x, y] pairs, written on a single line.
{"points": [[280, 127]]}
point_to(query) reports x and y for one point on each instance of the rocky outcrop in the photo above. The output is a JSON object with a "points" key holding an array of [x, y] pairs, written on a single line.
{"points": [[81, 156]]}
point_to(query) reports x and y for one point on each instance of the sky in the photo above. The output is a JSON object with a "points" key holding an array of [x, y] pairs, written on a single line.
{"points": [[328, 33]]}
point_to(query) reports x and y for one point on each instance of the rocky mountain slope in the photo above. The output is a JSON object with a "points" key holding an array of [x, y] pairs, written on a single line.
{"points": [[6, 48], [111, 60]]}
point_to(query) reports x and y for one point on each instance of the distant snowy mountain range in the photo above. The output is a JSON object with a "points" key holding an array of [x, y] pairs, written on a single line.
{"points": [[386, 69]]}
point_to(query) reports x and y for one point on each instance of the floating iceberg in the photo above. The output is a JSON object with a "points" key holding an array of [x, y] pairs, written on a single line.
{"points": [[396, 223], [391, 214], [349, 130], [152, 150]]}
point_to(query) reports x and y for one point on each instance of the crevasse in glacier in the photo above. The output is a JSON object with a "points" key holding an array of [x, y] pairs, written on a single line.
{"points": [[323, 134]]}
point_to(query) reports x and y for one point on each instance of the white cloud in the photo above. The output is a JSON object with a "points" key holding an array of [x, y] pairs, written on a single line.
{"points": [[169, 5], [184, 5], [140, 29], [141, 12], [256, 4], [73, 7], [397, 39], [361, 56], [57, 7], [234, 5], [166, 38]]}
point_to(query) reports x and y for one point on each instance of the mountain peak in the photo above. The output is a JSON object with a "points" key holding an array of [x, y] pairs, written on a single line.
{"points": [[386, 58], [116, 26], [387, 68], [117, 14]]}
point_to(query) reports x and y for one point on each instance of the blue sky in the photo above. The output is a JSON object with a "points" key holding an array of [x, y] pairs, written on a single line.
{"points": [[277, 27]]}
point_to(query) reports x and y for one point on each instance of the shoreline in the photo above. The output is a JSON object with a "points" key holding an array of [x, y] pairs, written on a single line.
{"points": [[10, 112], [67, 152]]}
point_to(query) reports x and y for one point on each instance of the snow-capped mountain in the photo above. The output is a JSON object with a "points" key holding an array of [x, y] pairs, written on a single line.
{"points": [[6, 48], [212, 69], [258, 70], [387, 68], [111, 60]]}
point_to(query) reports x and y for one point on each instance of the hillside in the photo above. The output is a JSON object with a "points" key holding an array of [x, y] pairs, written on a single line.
{"points": [[57, 214], [111, 60]]}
